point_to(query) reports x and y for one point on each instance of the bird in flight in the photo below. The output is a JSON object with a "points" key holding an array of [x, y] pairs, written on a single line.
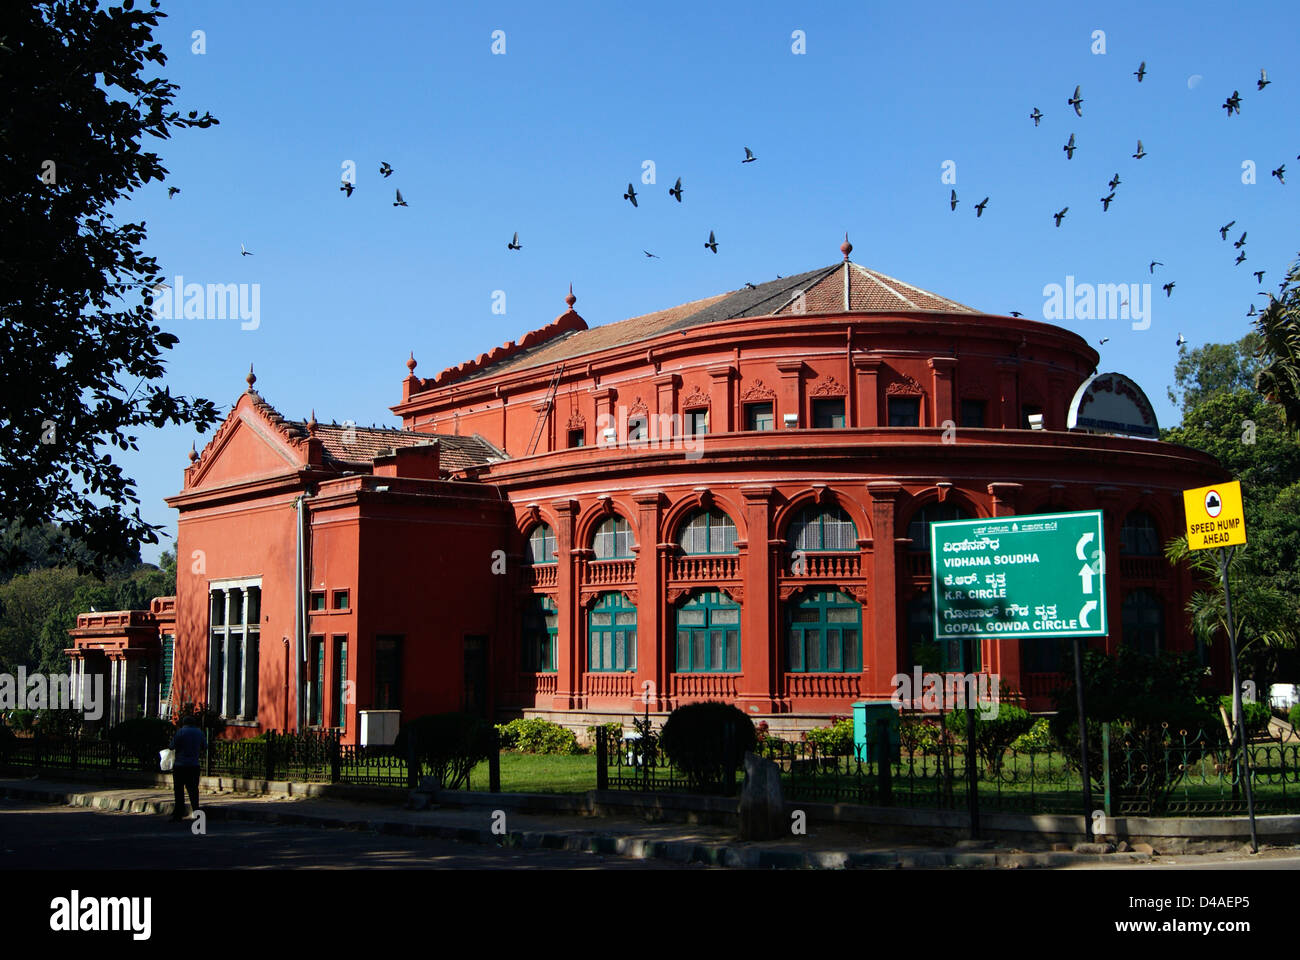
{"points": [[749, 156], [1036, 116], [1016, 313], [630, 195], [514, 244], [1168, 288], [1076, 101], [1280, 173], [649, 254], [1105, 201], [1259, 276], [399, 202], [676, 190], [712, 244], [1233, 103], [1241, 241], [1114, 181], [385, 169], [979, 207], [346, 188], [1069, 148], [1180, 341], [1223, 230], [1140, 152], [1060, 215], [1141, 71], [1252, 311], [1102, 341], [1154, 264], [243, 252], [1240, 258], [1263, 80], [172, 191], [952, 202]]}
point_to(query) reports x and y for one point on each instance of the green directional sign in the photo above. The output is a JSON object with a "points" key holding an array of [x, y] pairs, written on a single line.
{"points": [[1042, 575]]}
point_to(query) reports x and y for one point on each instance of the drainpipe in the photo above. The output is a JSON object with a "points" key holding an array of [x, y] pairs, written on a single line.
{"points": [[286, 683], [300, 607]]}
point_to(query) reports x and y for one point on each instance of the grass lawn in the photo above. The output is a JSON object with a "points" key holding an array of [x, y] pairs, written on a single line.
{"points": [[540, 773]]}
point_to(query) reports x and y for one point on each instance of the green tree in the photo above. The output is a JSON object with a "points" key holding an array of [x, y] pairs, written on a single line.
{"points": [[1212, 369], [1278, 328], [77, 97]]}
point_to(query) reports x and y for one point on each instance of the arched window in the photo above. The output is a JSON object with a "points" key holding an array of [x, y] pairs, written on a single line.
{"points": [[708, 531], [613, 540], [934, 656], [918, 531], [1144, 621], [611, 634], [708, 634], [541, 545], [539, 621], [823, 528], [824, 633], [1139, 536]]}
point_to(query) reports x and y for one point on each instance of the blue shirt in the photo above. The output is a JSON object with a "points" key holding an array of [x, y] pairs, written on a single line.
{"points": [[188, 742]]}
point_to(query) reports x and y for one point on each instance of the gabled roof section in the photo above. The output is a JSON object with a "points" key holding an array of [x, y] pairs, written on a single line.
{"points": [[841, 288]]}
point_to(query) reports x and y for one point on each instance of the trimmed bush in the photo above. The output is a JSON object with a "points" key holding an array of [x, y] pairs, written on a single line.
{"points": [[1295, 716], [449, 745], [143, 737], [705, 740], [613, 731], [1037, 740], [534, 735], [993, 735], [833, 741]]}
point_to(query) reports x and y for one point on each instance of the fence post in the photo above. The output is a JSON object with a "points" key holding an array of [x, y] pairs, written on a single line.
{"points": [[884, 770], [268, 756], [336, 752], [1105, 767], [494, 763], [602, 759], [112, 755]]}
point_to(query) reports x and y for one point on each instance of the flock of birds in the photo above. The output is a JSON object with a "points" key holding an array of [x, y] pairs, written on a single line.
{"points": [[1232, 105]]}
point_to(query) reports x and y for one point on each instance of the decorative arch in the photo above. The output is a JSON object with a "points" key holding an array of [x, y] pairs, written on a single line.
{"points": [[533, 514], [861, 592], [701, 500], [821, 495], [954, 497], [758, 390], [595, 513], [676, 595], [828, 386], [904, 386], [696, 399]]}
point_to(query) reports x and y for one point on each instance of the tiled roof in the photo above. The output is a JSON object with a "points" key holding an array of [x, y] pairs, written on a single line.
{"points": [[824, 291]]}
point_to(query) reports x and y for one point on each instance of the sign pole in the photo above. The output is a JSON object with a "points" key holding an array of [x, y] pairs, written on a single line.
{"points": [[1239, 720], [972, 773], [1083, 739]]}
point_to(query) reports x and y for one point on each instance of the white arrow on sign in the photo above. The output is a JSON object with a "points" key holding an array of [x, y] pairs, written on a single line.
{"points": [[1086, 609], [1083, 542], [1085, 572]]}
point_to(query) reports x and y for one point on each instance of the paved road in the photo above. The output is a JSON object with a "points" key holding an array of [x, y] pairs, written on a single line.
{"points": [[35, 836], [1264, 860]]}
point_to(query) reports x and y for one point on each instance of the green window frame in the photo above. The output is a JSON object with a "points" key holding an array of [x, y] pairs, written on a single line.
{"points": [[316, 681], [823, 529], [539, 629], [760, 416], [611, 634], [708, 634], [1139, 536], [697, 421], [931, 655], [1143, 618], [828, 413], [234, 630], [918, 528], [824, 633], [341, 682], [541, 545], [708, 532], [904, 411], [166, 668], [613, 540]]}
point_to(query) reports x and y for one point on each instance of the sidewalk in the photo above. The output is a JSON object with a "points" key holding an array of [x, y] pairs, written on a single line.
{"points": [[825, 847]]}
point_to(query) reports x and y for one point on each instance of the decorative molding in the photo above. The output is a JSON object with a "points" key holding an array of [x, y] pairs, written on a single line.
{"points": [[695, 399], [828, 386], [758, 390], [904, 386], [734, 590], [704, 499], [576, 421], [638, 407]]}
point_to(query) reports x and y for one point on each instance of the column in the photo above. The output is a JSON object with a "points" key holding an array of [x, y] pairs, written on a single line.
{"points": [[721, 409], [1007, 370], [606, 417], [789, 396], [868, 371], [880, 659], [1059, 396], [1002, 655], [650, 657], [1004, 497], [666, 425], [941, 390], [568, 612], [758, 636]]}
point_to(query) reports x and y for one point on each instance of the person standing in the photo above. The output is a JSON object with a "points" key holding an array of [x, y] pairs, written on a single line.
{"points": [[188, 742]]}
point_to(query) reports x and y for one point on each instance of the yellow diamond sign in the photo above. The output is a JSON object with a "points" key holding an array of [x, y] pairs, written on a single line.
{"points": [[1214, 516]]}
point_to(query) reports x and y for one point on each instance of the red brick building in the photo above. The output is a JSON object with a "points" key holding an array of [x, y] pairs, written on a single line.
{"points": [[728, 500]]}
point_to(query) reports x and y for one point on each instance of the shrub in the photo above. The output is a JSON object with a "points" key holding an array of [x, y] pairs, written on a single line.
{"points": [[1295, 716], [143, 737], [535, 735], [1037, 740], [920, 734], [833, 741], [1254, 715], [613, 731], [59, 723], [705, 740], [22, 719], [210, 721], [450, 745], [993, 735]]}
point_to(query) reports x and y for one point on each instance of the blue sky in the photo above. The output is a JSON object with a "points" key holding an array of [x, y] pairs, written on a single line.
{"points": [[851, 135]]}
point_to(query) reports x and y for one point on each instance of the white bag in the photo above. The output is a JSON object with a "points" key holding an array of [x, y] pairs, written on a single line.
{"points": [[166, 759]]}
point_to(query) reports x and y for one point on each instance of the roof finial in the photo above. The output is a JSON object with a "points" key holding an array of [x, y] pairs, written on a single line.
{"points": [[570, 299], [410, 364], [311, 424], [194, 454], [251, 378], [846, 248]]}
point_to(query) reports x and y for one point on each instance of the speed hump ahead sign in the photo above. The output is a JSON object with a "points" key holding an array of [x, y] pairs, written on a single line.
{"points": [[1214, 516]]}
